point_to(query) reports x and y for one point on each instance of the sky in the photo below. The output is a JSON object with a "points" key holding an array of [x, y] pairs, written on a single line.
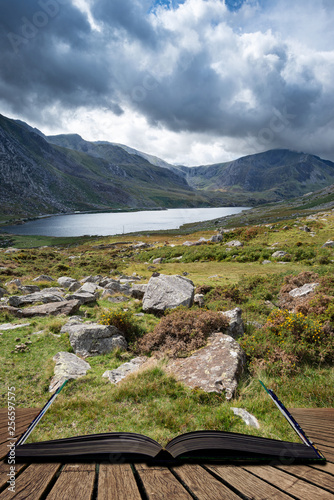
{"points": [[191, 81]]}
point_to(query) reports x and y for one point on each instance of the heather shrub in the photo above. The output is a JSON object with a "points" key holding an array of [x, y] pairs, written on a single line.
{"points": [[287, 341], [182, 331]]}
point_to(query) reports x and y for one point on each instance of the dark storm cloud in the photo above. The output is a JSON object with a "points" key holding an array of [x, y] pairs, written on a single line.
{"points": [[257, 72]]}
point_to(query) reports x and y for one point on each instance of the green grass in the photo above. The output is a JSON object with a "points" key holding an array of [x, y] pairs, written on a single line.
{"points": [[151, 402]]}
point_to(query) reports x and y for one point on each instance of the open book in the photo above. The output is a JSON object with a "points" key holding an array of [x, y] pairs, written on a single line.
{"points": [[198, 446]]}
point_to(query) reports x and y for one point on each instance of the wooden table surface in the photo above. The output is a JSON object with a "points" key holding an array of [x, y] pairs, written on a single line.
{"points": [[101, 481]]}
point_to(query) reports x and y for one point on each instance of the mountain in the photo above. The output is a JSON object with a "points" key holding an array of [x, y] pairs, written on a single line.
{"points": [[64, 173], [38, 177], [275, 174]]}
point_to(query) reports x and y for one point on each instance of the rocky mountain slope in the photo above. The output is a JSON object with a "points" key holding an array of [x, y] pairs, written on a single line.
{"points": [[39, 177], [62, 173]]}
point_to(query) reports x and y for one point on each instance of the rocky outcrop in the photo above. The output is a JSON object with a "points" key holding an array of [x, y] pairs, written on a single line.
{"points": [[68, 366], [217, 367], [279, 254], [124, 370], [66, 281], [66, 307], [138, 291], [167, 292], [304, 290], [92, 339], [45, 296], [234, 243]]}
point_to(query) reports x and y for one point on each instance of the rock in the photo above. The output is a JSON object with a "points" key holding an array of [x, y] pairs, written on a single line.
{"points": [[90, 288], [113, 287], [29, 289], [167, 292], [74, 320], [66, 307], [118, 299], [10, 326], [65, 281], [68, 366], [74, 287], [248, 418], [216, 238], [328, 244], [234, 243], [138, 291], [264, 262], [303, 290], [124, 370], [15, 282], [92, 279], [236, 325], [92, 339], [12, 250], [306, 229], [83, 297], [188, 243], [157, 261], [214, 368], [279, 254], [43, 277], [43, 296], [199, 299], [3, 292]]}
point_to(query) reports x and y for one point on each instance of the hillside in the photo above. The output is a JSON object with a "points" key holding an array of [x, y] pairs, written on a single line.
{"points": [[39, 177], [276, 174]]}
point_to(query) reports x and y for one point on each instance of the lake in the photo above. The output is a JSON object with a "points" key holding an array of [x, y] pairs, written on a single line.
{"points": [[108, 224]]}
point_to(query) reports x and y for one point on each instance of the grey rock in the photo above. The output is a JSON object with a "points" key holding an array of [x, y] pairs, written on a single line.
{"points": [[90, 288], [304, 290], [188, 243], [92, 279], [12, 250], [118, 299], [157, 261], [68, 366], [43, 277], [306, 229], [124, 370], [279, 254], [3, 292], [167, 292], [66, 307], [15, 282], [83, 297], [199, 299], [74, 287], [138, 291], [92, 339], [65, 281], [264, 262], [10, 326], [216, 367], [43, 296], [328, 244], [113, 287], [216, 238], [236, 325], [234, 243], [29, 289], [248, 418]]}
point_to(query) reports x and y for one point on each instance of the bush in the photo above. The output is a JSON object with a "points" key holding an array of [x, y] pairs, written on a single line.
{"points": [[182, 331], [125, 322], [287, 341]]}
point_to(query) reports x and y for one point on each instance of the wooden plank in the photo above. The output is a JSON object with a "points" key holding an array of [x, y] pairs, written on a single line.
{"points": [[247, 484], [311, 475], [290, 484], [203, 484], [327, 467], [5, 470], [116, 481], [32, 483], [75, 481], [160, 484]]}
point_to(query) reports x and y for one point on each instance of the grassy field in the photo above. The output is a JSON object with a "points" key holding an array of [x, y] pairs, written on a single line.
{"points": [[152, 402]]}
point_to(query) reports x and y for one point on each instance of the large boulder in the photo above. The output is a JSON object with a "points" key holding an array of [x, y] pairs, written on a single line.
{"points": [[68, 366], [138, 291], [66, 281], [65, 307], [167, 292], [92, 339], [304, 290], [217, 367], [124, 370], [83, 297], [44, 296]]}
